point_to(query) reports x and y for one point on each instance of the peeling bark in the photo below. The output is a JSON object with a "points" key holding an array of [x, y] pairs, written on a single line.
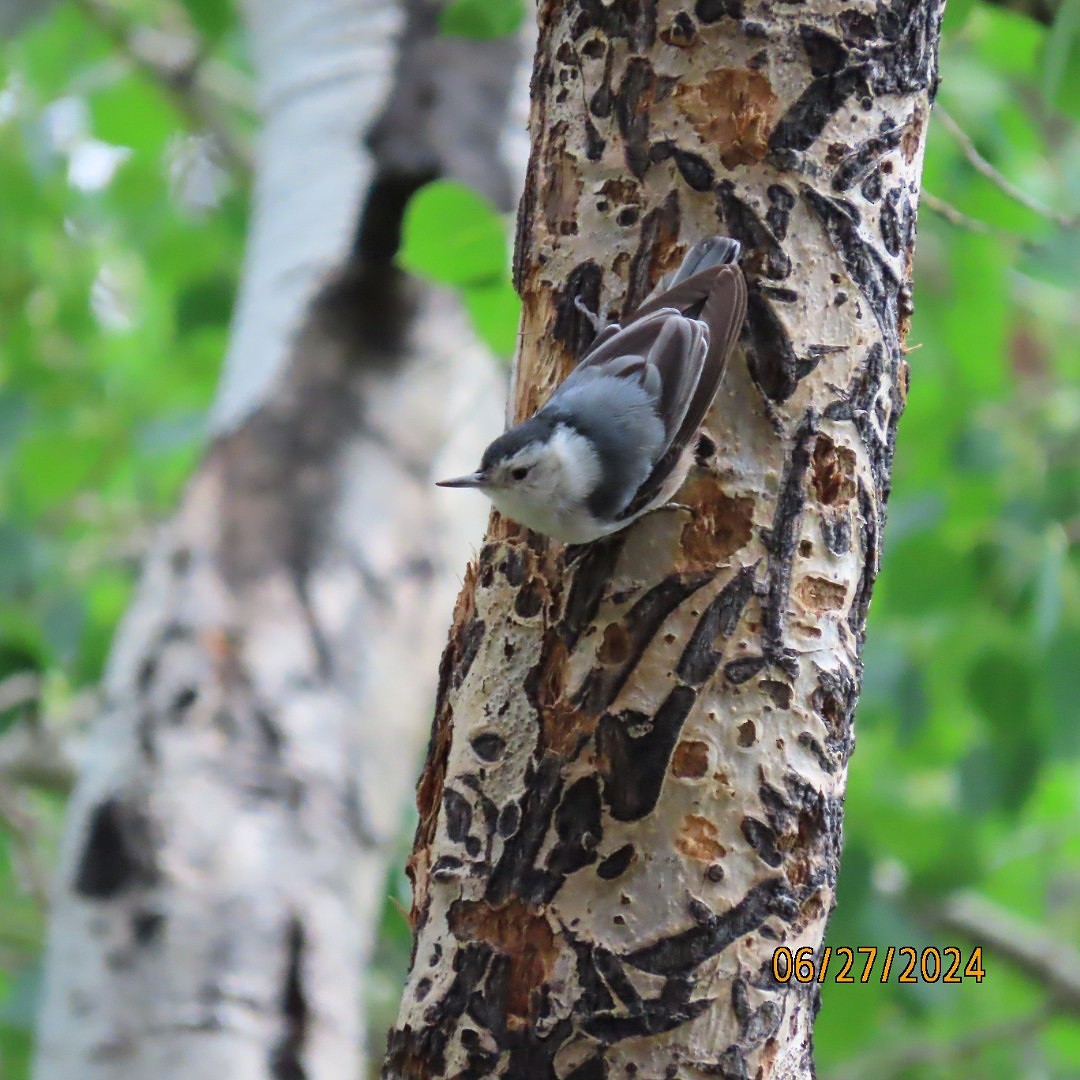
{"points": [[634, 788], [223, 867]]}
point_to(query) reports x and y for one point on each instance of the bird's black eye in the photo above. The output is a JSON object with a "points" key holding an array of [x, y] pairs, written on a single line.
{"points": [[520, 472]]}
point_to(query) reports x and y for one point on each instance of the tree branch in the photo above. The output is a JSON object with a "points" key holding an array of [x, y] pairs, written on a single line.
{"points": [[1003, 183], [1045, 959], [178, 76], [903, 1056]]}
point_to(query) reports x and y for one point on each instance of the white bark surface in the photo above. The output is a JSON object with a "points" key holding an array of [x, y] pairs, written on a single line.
{"points": [[223, 868], [324, 68]]}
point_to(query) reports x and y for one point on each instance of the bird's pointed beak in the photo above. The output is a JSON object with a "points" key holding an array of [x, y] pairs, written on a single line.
{"points": [[473, 480]]}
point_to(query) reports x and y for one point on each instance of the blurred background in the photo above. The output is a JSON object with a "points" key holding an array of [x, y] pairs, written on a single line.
{"points": [[126, 153]]}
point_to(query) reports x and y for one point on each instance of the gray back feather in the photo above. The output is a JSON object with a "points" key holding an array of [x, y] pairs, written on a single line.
{"points": [[643, 389]]}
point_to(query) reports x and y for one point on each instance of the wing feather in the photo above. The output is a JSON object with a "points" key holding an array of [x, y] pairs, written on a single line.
{"points": [[675, 348]]}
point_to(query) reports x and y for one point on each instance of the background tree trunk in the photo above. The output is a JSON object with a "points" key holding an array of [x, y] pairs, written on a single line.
{"points": [[635, 783], [223, 868]]}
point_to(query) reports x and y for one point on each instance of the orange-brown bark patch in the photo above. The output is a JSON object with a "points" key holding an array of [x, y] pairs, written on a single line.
{"points": [[562, 187], [821, 594], [721, 525], [429, 789], [911, 140], [690, 760], [621, 191], [833, 477], [733, 108], [521, 934], [616, 646], [697, 839]]}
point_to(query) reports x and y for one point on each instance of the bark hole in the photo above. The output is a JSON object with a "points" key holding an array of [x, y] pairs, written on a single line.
{"points": [[118, 852]]}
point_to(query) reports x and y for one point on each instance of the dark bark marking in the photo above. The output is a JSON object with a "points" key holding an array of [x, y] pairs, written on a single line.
{"points": [[762, 839], [634, 766], [781, 203], [146, 672], [871, 186], [286, 1058], [617, 863], [700, 659], [592, 572], [782, 538], [684, 951], [468, 646], [763, 253], [891, 234], [182, 700], [640, 625], [774, 365], [600, 104], [710, 11], [633, 107], [147, 927], [827, 763], [781, 693], [805, 120], [457, 813], [578, 827], [592, 1069], [634, 20], [654, 1018], [488, 746], [659, 230], [876, 279], [572, 328], [509, 820], [856, 166], [694, 170], [826, 53], [118, 853], [834, 701], [836, 530], [860, 603], [515, 874], [681, 32], [744, 669]]}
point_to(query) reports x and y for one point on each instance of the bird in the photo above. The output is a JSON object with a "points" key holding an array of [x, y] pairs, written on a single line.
{"points": [[616, 438]]}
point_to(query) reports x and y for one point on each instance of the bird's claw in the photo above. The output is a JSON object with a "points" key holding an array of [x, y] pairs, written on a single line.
{"points": [[595, 321]]}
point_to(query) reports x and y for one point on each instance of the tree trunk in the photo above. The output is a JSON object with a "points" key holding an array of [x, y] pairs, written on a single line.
{"points": [[634, 787], [223, 866]]}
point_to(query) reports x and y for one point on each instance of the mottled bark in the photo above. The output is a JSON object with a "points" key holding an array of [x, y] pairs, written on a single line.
{"points": [[634, 788], [223, 866]]}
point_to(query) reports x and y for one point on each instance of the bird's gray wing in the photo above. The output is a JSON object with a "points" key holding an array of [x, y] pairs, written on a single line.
{"points": [[721, 293], [673, 349], [662, 353]]}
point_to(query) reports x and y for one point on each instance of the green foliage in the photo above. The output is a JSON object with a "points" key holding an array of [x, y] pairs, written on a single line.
{"points": [[114, 304], [482, 19], [966, 772], [453, 236]]}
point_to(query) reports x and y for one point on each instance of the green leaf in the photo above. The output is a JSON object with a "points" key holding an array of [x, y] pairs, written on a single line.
{"points": [[1061, 57], [1002, 771], [481, 19], [212, 18], [453, 236], [495, 311]]}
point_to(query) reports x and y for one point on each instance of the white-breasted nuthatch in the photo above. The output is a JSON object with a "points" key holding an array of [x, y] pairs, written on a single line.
{"points": [[616, 438]]}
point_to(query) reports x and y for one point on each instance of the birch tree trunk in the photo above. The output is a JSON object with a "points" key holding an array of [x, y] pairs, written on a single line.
{"points": [[634, 788], [223, 867]]}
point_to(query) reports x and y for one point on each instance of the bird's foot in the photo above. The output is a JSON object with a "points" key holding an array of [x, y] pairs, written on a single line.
{"points": [[595, 321]]}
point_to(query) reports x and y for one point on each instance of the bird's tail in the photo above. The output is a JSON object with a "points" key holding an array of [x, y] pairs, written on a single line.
{"points": [[705, 254], [689, 287]]}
